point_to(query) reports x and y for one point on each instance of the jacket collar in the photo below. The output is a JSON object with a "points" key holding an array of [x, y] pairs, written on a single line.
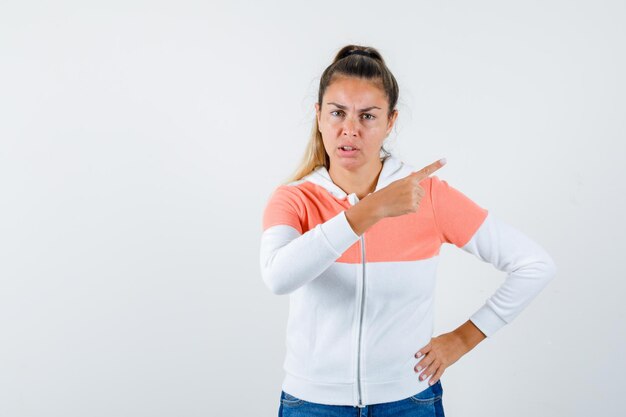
{"points": [[392, 170]]}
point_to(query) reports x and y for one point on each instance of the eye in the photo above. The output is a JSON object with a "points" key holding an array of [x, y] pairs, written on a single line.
{"points": [[371, 116]]}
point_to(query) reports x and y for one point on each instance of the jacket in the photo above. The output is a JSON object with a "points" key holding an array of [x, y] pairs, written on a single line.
{"points": [[360, 307]]}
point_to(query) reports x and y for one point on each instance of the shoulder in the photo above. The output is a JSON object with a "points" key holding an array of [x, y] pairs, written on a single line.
{"points": [[287, 193], [284, 207], [437, 184]]}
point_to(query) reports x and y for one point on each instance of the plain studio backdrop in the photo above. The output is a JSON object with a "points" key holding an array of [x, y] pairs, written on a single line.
{"points": [[140, 141]]}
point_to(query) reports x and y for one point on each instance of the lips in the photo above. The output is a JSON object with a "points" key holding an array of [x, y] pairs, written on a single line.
{"points": [[352, 153], [351, 146]]}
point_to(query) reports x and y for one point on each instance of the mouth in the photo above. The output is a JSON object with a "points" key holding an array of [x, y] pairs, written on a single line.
{"points": [[347, 151]]}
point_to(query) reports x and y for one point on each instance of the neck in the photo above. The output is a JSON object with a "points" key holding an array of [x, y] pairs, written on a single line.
{"points": [[361, 181]]}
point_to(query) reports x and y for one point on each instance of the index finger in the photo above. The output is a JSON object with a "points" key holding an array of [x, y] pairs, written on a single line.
{"points": [[429, 169]]}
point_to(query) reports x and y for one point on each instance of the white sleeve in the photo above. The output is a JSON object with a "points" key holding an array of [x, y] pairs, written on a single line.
{"points": [[528, 266], [289, 259]]}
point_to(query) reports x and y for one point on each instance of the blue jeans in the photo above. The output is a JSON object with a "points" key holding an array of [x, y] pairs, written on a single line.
{"points": [[427, 403]]}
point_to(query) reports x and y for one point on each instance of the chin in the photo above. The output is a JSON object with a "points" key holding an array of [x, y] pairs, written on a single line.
{"points": [[349, 163]]}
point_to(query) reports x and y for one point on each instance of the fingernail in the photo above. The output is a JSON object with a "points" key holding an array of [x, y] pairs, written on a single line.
{"points": [[418, 354], [431, 382], [442, 160]]}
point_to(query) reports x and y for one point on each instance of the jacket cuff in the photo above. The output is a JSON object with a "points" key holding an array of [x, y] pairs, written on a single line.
{"points": [[487, 320], [338, 233]]}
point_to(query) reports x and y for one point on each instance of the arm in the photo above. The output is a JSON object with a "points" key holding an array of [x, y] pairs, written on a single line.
{"points": [[475, 230], [288, 258], [528, 266]]}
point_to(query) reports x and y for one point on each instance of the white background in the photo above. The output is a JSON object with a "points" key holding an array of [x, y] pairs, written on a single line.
{"points": [[139, 142]]}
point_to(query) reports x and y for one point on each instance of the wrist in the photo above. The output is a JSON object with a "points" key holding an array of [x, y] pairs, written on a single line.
{"points": [[469, 335], [363, 215], [460, 341], [375, 209]]}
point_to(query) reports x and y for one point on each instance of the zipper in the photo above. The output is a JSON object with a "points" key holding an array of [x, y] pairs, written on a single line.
{"points": [[358, 355], [358, 358]]}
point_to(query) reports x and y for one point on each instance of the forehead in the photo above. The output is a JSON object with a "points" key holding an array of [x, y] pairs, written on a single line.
{"points": [[355, 91]]}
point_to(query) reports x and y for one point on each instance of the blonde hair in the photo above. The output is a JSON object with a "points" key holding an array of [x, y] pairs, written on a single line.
{"points": [[366, 64]]}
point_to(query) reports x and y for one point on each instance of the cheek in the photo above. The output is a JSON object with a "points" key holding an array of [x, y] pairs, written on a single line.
{"points": [[378, 127], [331, 126], [333, 123], [381, 133]]}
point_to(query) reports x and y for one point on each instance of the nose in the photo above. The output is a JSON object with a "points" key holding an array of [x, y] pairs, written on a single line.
{"points": [[350, 127]]}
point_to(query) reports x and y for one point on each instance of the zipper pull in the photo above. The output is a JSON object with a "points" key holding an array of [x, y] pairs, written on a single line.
{"points": [[353, 198]]}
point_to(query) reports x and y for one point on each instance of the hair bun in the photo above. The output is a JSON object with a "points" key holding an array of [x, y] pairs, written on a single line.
{"points": [[360, 52]]}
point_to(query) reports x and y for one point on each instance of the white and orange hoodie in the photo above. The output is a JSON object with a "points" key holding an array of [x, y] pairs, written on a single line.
{"points": [[360, 307]]}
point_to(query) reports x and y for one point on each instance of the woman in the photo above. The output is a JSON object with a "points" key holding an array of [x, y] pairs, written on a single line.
{"points": [[354, 239]]}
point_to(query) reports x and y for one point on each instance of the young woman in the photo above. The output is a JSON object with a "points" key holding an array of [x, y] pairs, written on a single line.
{"points": [[354, 237]]}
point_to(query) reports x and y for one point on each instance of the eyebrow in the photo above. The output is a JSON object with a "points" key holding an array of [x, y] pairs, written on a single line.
{"points": [[345, 107]]}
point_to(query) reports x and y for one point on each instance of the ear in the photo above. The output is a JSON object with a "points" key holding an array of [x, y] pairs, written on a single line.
{"points": [[317, 113], [392, 120]]}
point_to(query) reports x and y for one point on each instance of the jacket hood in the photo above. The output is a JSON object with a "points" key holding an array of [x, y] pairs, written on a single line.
{"points": [[392, 170]]}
